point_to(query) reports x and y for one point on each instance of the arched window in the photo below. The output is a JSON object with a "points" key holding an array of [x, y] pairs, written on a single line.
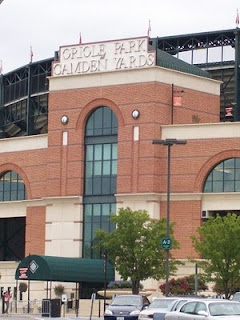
{"points": [[100, 175], [225, 177], [12, 187]]}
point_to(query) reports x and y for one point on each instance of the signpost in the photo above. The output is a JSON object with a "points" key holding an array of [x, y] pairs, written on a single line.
{"points": [[166, 243]]}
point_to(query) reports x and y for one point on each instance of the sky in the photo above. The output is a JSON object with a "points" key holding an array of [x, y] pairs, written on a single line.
{"points": [[45, 25]]}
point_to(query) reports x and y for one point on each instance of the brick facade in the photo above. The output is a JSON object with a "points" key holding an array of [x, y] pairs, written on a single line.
{"points": [[142, 166]]}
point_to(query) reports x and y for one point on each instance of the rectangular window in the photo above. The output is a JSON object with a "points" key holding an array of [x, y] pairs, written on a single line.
{"points": [[217, 175], [89, 169], [107, 151], [88, 213], [106, 167], [100, 169], [87, 232], [96, 216], [97, 168], [218, 186], [228, 186], [88, 186], [98, 152], [229, 174], [89, 153]]}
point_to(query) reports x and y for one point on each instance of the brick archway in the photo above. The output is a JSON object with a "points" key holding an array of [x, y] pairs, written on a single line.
{"points": [[12, 167], [210, 164], [89, 108]]}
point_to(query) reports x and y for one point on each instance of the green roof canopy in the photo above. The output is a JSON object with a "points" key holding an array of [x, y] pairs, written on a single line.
{"points": [[168, 61], [47, 268]]}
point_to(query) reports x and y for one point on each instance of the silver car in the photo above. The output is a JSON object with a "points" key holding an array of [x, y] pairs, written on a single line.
{"points": [[208, 309], [160, 306]]}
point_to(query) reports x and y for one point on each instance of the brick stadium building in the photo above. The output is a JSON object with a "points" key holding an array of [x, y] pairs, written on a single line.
{"points": [[76, 144]]}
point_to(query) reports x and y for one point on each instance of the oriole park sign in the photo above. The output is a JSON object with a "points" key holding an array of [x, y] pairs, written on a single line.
{"points": [[104, 57]]}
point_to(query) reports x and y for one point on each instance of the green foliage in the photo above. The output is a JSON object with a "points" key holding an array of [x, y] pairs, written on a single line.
{"points": [[59, 290], [184, 285], [219, 289], [219, 244], [23, 287], [121, 284], [135, 246]]}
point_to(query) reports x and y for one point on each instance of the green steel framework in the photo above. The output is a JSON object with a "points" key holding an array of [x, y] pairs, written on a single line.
{"points": [[24, 92]]}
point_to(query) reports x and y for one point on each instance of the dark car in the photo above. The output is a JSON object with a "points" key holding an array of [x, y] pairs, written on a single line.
{"points": [[126, 307]]}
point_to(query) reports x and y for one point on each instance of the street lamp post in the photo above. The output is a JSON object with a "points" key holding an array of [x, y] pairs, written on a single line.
{"points": [[105, 279], [169, 143]]}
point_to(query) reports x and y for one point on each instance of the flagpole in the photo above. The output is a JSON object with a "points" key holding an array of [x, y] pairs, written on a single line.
{"points": [[237, 19], [31, 54], [149, 28]]}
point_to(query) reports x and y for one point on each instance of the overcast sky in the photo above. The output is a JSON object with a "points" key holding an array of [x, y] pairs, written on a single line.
{"points": [[47, 24]]}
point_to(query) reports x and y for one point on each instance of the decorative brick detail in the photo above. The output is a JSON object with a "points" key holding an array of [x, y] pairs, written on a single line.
{"points": [[211, 163], [13, 167]]}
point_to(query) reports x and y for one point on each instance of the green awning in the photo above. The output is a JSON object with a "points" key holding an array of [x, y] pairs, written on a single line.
{"points": [[47, 268]]}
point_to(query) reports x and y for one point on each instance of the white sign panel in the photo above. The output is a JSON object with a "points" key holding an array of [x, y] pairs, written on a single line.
{"points": [[64, 298], [104, 57]]}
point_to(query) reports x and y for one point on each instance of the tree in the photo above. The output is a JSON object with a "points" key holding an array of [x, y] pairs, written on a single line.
{"points": [[219, 245], [135, 246], [184, 285]]}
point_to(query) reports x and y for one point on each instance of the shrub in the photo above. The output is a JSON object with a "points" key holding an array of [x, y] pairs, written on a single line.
{"points": [[59, 290], [184, 285], [23, 287]]}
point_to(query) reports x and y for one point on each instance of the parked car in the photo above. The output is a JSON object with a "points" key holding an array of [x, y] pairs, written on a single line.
{"points": [[126, 307], [206, 309], [236, 296], [159, 306]]}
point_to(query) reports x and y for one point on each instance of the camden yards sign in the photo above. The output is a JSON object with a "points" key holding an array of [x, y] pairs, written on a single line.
{"points": [[104, 57]]}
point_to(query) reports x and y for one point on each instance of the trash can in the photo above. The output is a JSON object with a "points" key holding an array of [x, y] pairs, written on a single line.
{"points": [[51, 308], [69, 304], [55, 308]]}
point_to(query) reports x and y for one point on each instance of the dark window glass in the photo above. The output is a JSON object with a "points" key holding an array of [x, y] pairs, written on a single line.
{"points": [[12, 239], [102, 122], [225, 177], [96, 216], [12, 187], [100, 176]]}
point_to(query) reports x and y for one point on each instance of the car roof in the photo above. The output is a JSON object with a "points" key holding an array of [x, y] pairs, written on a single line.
{"points": [[215, 300], [129, 295]]}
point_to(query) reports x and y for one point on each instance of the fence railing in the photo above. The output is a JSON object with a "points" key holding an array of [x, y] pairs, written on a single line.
{"points": [[31, 307], [48, 307]]}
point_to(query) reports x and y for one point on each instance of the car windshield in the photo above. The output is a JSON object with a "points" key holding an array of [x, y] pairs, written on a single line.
{"points": [[126, 301], [161, 303], [177, 304], [236, 296], [224, 308]]}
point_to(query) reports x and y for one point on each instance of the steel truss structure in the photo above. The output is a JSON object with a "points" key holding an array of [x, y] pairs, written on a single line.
{"points": [[215, 62], [24, 92], [24, 100]]}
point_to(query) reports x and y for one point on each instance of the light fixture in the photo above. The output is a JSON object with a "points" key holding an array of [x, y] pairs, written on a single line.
{"points": [[135, 114], [64, 119]]}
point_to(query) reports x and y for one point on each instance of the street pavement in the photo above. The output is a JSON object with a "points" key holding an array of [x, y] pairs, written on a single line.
{"points": [[38, 317]]}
